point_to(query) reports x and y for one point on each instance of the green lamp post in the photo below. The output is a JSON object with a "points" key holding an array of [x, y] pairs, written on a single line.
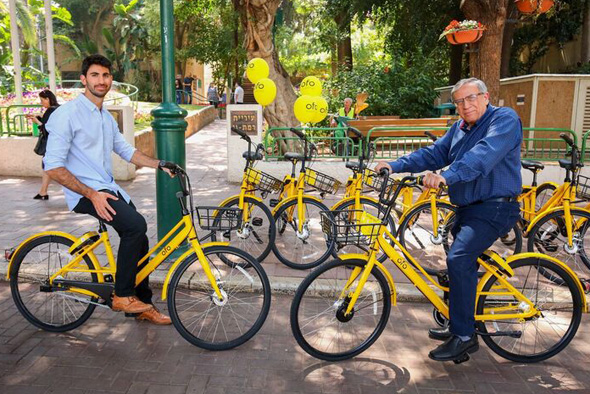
{"points": [[169, 127]]}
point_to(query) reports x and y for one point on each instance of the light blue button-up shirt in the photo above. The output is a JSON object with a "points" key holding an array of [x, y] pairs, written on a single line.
{"points": [[81, 139]]}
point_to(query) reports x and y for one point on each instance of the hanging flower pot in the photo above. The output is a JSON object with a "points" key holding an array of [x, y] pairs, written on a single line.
{"points": [[465, 32], [534, 6]]}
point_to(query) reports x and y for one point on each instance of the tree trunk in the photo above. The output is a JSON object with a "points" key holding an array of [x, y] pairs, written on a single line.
{"points": [[509, 29], [456, 64], [344, 42], [257, 18], [586, 34], [485, 58]]}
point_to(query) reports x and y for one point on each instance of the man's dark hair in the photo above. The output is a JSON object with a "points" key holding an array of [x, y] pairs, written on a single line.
{"points": [[95, 59]]}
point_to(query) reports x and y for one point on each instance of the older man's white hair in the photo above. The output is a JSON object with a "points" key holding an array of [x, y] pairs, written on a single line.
{"points": [[348, 99], [481, 86]]}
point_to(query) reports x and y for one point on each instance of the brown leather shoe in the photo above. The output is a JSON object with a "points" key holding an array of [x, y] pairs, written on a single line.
{"points": [[130, 304], [154, 316]]}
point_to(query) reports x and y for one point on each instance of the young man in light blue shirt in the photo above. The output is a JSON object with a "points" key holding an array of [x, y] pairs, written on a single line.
{"points": [[82, 136]]}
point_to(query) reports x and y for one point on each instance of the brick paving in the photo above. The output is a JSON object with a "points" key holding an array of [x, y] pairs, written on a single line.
{"points": [[114, 354]]}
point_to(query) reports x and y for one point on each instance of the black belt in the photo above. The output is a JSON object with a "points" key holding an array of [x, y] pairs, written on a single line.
{"points": [[497, 199]]}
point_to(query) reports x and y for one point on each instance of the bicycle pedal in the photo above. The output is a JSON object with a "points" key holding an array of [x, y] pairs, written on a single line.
{"points": [[257, 222], [227, 234], [462, 358], [585, 285], [108, 278], [273, 202], [8, 253]]}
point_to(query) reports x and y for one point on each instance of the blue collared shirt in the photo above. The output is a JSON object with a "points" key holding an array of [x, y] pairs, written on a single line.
{"points": [[81, 139], [484, 160]]}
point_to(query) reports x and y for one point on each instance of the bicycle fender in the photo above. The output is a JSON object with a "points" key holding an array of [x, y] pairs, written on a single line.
{"points": [[43, 234], [347, 199], [283, 202], [421, 203], [237, 197], [549, 183], [358, 256], [541, 216], [559, 263]]}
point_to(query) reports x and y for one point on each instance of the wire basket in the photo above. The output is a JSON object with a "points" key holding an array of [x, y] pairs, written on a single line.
{"points": [[375, 182], [219, 219], [583, 187], [350, 227], [322, 182], [262, 181]]}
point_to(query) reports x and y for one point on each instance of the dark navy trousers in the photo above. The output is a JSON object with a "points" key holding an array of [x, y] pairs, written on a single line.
{"points": [[476, 228]]}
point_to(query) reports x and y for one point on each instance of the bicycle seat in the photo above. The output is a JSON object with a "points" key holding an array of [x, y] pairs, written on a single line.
{"points": [[249, 155], [294, 156], [532, 165], [566, 164], [353, 165]]}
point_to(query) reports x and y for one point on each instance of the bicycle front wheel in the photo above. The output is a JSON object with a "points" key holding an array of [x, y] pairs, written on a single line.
{"points": [[257, 234], [201, 317], [42, 304], [539, 337], [318, 319], [303, 249], [549, 236]]}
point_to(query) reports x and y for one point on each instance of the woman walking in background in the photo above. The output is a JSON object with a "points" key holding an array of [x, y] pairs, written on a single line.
{"points": [[49, 102]]}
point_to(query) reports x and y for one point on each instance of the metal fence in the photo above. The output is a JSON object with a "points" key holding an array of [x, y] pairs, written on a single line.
{"points": [[331, 142]]}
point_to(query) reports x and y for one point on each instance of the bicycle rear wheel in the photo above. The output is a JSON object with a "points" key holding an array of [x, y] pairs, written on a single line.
{"points": [[542, 336], [318, 319], [198, 314], [42, 304]]}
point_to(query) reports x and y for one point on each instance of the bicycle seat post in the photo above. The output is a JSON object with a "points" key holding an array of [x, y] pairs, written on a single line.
{"points": [[102, 228]]}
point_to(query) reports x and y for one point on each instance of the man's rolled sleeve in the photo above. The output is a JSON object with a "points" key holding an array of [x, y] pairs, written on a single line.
{"points": [[59, 140], [121, 146]]}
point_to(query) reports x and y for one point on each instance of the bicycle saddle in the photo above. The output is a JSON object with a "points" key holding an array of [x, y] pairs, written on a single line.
{"points": [[293, 156], [249, 155], [566, 164], [532, 165], [353, 165]]}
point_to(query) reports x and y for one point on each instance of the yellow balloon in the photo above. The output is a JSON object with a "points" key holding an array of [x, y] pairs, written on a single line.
{"points": [[265, 91], [257, 69], [322, 109], [311, 86], [305, 109]]}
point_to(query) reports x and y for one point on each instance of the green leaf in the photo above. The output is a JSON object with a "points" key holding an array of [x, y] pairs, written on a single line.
{"points": [[69, 42], [108, 35]]}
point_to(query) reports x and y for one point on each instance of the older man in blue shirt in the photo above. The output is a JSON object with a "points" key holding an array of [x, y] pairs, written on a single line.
{"points": [[83, 134], [482, 152]]}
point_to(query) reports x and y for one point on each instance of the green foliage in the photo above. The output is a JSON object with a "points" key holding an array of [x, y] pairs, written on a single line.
{"points": [[394, 88]]}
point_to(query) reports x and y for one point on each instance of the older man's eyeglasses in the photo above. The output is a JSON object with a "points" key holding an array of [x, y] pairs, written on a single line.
{"points": [[470, 99]]}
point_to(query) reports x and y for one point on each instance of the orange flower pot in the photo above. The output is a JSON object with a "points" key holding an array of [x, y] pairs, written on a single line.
{"points": [[534, 6], [464, 36]]}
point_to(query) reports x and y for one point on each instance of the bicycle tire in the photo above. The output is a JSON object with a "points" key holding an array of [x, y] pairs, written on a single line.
{"points": [[289, 242], [549, 236], [235, 282], [22, 268], [543, 194], [381, 257], [331, 317], [248, 244], [558, 295]]}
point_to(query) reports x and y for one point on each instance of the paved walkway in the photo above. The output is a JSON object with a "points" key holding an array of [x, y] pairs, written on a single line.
{"points": [[113, 354]]}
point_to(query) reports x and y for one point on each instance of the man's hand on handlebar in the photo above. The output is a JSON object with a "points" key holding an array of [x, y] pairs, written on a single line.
{"points": [[433, 181], [168, 167], [382, 164]]}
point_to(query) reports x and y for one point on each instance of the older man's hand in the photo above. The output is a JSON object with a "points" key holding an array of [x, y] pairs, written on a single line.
{"points": [[382, 164], [433, 181]]}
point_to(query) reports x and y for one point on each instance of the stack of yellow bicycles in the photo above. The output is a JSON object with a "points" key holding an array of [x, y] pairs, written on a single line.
{"points": [[218, 296], [342, 307]]}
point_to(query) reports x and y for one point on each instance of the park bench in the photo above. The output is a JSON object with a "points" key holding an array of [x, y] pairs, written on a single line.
{"points": [[366, 125]]}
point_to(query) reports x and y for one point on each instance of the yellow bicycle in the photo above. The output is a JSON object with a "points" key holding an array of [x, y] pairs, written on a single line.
{"points": [[342, 307], [57, 280]]}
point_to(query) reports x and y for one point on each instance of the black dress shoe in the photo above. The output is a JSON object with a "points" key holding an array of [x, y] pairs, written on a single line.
{"points": [[440, 334], [40, 197], [455, 349]]}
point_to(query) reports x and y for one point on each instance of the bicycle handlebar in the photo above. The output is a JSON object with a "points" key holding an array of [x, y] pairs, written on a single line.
{"points": [[429, 134], [568, 139], [355, 131], [242, 134], [298, 133]]}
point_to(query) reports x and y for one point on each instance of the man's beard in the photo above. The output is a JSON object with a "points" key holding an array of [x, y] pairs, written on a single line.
{"points": [[97, 94]]}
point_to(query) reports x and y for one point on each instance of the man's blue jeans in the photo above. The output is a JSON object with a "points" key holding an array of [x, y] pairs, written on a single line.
{"points": [[476, 228]]}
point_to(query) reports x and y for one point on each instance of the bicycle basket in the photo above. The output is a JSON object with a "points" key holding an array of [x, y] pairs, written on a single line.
{"points": [[375, 182], [583, 187], [219, 219], [262, 181], [322, 182], [350, 227]]}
